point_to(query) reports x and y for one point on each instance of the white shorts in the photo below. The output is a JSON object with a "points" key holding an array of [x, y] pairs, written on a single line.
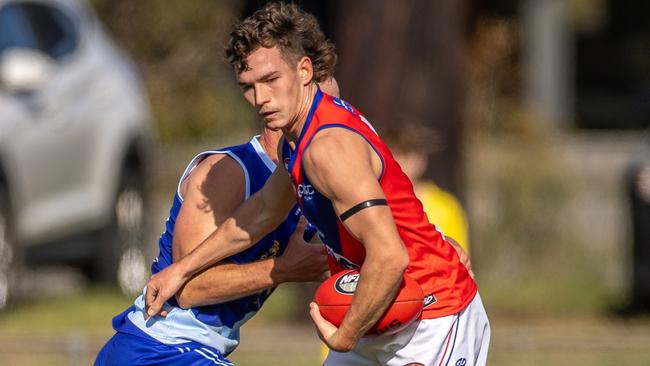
{"points": [[456, 340]]}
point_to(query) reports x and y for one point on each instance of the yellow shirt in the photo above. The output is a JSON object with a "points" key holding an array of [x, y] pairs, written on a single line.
{"points": [[445, 212]]}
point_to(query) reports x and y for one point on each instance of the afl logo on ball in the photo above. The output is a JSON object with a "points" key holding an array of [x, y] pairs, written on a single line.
{"points": [[347, 284]]}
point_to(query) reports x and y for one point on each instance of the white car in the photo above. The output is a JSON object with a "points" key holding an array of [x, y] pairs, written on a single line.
{"points": [[74, 137]]}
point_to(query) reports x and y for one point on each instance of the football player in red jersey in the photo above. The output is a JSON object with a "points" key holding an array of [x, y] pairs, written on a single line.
{"points": [[347, 184]]}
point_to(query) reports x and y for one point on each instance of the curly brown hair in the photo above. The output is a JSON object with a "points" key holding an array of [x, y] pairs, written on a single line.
{"points": [[296, 32]]}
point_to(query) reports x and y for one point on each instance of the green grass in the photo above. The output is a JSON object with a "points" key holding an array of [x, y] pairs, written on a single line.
{"points": [[70, 330], [568, 295], [596, 358], [59, 330], [90, 310]]}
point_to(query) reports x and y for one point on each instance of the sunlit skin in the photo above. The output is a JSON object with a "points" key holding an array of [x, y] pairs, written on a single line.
{"points": [[269, 85]]}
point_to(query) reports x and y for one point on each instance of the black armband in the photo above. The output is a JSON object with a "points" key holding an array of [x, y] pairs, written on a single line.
{"points": [[365, 204]]}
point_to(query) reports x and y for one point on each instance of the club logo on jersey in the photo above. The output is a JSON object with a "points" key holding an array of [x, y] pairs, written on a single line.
{"points": [[272, 252], [347, 284], [306, 191], [461, 362], [429, 299], [343, 104]]}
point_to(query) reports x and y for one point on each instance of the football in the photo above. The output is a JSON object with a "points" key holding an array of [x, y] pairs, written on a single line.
{"points": [[334, 296]]}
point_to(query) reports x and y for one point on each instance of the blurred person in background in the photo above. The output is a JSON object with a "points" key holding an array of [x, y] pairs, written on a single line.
{"points": [[410, 145], [348, 184], [201, 324]]}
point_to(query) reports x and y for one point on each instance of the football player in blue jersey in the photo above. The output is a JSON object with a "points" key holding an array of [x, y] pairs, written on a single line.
{"points": [[200, 326]]}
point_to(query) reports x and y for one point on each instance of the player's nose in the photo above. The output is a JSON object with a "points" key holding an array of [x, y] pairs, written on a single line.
{"points": [[261, 95]]}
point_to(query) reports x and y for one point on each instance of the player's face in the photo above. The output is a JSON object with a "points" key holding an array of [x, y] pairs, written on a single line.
{"points": [[275, 88]]}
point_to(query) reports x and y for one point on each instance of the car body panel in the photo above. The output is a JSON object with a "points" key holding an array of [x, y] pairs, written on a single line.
{"points": [[63, 145]]}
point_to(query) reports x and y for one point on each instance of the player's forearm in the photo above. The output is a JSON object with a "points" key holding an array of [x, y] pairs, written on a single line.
{"points": [[379, 281], [227, 281], [250, 223]]}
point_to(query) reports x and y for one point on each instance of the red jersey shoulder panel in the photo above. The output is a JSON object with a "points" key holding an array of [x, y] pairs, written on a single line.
{"points": [[434, 263]]}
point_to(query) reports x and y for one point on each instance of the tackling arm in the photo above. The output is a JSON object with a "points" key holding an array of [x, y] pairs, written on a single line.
{"points": [[251, 221], [211, 193], [301, 262]]}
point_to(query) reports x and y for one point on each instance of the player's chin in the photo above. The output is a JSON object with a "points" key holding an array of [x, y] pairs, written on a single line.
{"points": [[274, 122], [273, 128], [273, 125]]}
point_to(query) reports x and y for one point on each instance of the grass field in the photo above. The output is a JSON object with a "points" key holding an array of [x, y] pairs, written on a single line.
{"points": [[69, 331]]}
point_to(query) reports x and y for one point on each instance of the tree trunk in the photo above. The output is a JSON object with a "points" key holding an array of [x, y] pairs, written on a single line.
{"points": [[401, 62]]}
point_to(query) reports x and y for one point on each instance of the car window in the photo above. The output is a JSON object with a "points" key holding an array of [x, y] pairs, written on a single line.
{"points": [[15, 30], [38, 26]]}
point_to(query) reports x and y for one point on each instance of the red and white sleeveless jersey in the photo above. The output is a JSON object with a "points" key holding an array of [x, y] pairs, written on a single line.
{"points": [[434, 263]]}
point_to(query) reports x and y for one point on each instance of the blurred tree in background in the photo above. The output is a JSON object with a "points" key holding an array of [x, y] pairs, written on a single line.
{"points": [[178, 46], [401, 62]]}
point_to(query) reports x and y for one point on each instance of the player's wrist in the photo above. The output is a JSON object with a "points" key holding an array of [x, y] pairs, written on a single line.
{"points": [[184, 269], [281, 272], [342, 342]]}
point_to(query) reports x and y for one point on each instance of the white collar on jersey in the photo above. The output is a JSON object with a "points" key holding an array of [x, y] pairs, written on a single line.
{"points": [[262, 154]]}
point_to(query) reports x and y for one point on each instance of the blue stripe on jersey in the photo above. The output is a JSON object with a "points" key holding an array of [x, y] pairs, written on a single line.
{"points": [[217, 325], [312, 110]]}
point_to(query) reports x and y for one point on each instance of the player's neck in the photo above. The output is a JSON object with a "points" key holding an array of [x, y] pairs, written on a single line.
{"points": [[292, 132], [269, 140]]}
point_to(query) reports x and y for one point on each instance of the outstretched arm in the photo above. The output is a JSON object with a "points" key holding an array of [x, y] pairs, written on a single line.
{"points": [[300, 262], [211, 193], [335, 158], [251, 221]]}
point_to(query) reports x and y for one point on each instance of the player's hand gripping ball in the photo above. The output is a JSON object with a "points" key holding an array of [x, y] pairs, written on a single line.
{"points": [[334, 297]]}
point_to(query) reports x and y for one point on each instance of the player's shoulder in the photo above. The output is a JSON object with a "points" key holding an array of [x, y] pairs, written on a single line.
{"points": [[215, 170], [217, 165], [338, 109], [334, 144]]}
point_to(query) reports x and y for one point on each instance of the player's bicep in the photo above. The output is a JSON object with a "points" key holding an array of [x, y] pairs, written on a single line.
{"points": [[340, 166], [212, 192], [365, 215]]}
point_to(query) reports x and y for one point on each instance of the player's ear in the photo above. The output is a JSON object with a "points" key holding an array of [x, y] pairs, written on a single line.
{"points": [[305, 70]]}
